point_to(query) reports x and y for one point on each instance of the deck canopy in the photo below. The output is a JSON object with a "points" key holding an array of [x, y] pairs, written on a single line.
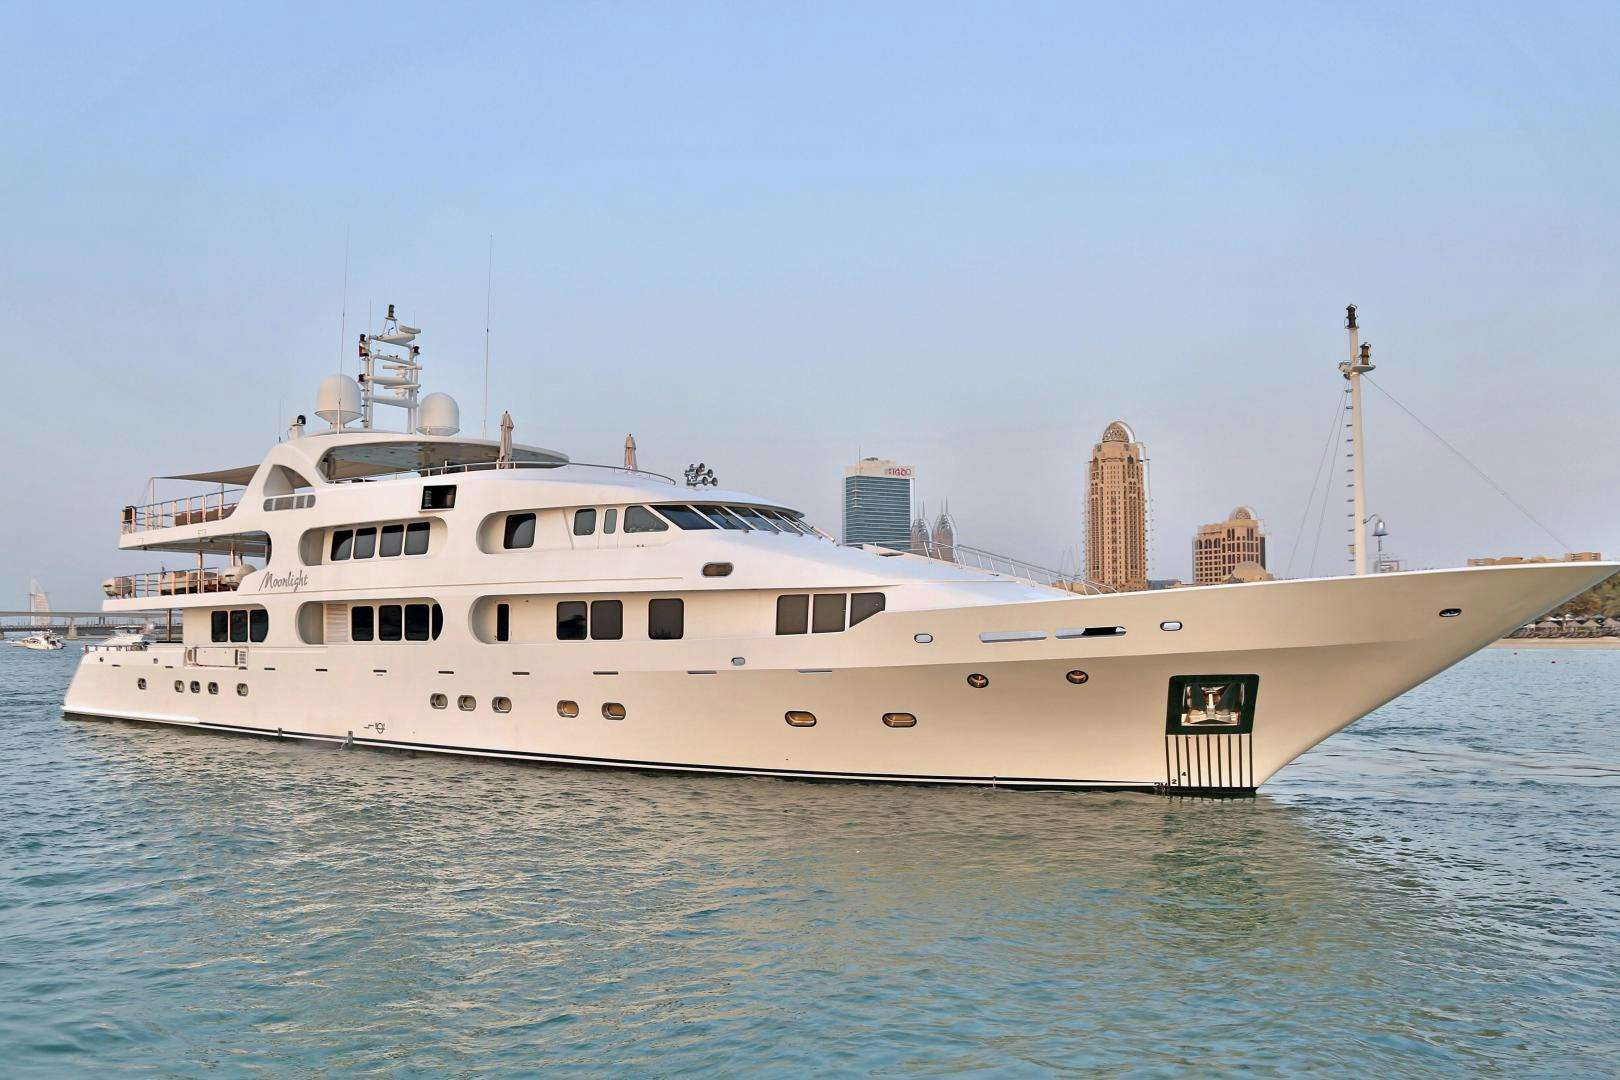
{"points": [[228, 477], [355, 460]]}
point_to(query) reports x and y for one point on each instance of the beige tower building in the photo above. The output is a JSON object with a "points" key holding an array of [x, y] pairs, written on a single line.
{"points": [[1116, 511], [1222, 546]]}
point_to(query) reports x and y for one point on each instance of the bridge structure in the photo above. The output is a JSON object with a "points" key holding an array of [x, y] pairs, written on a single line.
{"points": [[74, 624]]}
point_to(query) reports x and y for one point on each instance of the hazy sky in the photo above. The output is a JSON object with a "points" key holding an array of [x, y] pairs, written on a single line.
{"points": [[771, 236]]}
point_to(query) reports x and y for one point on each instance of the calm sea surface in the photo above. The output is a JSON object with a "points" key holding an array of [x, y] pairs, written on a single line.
{"points": [[1436, 889]]}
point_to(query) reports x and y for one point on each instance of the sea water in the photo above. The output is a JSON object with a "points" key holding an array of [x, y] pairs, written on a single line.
{"points": [[1436, 889]]}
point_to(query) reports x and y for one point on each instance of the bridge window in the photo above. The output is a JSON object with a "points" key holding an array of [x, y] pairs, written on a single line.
{"points": [[639, 519], [365, 543], [754, 518], [863, 605], [686, 517], [342, 545], [724, 518], [393, 541], [519, 531], [666, 620], [584, 522]]}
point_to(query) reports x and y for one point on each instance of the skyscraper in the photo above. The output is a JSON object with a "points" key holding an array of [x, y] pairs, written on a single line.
{"points": [[1116, 511], [945, 535], [1219, 547], [877, 503]]}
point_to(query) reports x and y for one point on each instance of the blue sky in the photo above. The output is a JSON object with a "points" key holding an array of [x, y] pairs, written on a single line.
{"points": [[772, 236]]}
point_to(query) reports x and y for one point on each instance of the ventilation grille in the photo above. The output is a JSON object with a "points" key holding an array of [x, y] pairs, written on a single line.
{"points": [[1214, 762]]}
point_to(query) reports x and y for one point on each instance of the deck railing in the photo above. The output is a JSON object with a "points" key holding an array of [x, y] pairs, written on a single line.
{"points": [[990, 562], [187, 510], [175, 582]]}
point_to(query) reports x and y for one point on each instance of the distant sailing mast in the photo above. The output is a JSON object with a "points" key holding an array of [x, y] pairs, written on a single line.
{"points": [[1359, 364], [39, 604]]}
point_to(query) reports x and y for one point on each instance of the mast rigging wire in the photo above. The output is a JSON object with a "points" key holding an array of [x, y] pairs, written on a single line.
{"points": [[1316, 478]]}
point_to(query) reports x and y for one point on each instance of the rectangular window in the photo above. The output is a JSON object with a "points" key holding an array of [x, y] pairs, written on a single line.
{"points": [[781, 521], [607, 620], [793, 614], [342, 544], [390, 622], [686, 517], [219, 626], [503, 622], [393, 541], [666, 620], [362, 622], [723, 518], [258, 624], [416, 622], [584, 522], [416, 538], [610, 521], [829, 613], [571, 620], [754, 518], [639, 519], [519, 531], [365, 543], [238, 626], [863, 605], [439, 497]]}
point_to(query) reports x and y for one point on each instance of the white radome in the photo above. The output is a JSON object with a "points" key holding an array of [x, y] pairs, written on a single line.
{"points": [[338, 400], [438, 415]]}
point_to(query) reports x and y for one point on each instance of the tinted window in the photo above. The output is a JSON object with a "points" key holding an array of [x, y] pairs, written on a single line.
{"points": [[258, 625], [361, 623], [519, 530], [584, 522], [792, 614], [607, 620], [686, 517], [438, 621], [503, 622], [829, 615], [393, 541], [720, 516], [390, 622], [342, 544], [219, 625], [781, 521], [571, 620], [442, 497], [238, 626], [610, 521], [416, 538], [863, 605], [365, 543], [666, 620], [639, 519], [416, 622], [754, 518]]}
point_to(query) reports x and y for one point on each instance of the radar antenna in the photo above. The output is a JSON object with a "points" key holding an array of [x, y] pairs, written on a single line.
{"points": [[401, 376]]}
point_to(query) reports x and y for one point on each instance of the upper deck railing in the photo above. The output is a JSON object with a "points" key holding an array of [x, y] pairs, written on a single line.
{"points": [[186, 510], [992, 563], [490, 466], [176, 582]]}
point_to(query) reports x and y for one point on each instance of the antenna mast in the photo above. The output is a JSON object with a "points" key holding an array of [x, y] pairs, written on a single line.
{"points": [[1353, 369], [402, 375], [489, 290]]}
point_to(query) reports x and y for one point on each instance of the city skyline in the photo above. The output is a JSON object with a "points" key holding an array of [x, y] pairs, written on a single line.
{"points": [[1118, 506]]}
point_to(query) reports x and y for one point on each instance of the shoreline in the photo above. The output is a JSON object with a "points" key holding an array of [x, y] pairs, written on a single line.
{"points": [[1556, 643]]}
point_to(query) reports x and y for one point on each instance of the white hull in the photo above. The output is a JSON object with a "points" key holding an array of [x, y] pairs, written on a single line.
{"points": [[1325, 653]]}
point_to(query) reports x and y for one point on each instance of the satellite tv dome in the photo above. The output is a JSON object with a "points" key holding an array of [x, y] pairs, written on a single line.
{"points": [[438, 415], [338, 400]]}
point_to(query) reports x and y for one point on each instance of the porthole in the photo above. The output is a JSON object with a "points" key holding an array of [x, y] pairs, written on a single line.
{"points": [[501, 704], [1078, 677], [800, 718], [1451, 612], [241, 689], [717, 569], [466, 703], [439, 701], [739, 661], [213, 688], [179, 687], [568, 708], [196, 687], [923, 639], [1170, 624], [899, 719], [140, 684], [612, 710], [977, 681]]}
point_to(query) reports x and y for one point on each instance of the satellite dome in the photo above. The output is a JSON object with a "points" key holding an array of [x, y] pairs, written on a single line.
{"points": [[338, 400], [438, 415]]}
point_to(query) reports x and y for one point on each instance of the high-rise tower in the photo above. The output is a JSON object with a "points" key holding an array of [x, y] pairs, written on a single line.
{"points": [[877, 503], [1116, 510]]}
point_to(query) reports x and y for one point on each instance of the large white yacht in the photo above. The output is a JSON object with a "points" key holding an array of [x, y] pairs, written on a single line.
{"points": [[419, 590]]}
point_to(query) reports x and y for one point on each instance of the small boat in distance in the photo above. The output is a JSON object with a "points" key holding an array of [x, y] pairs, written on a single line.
{"points": [[420, 590], [40, 641]]}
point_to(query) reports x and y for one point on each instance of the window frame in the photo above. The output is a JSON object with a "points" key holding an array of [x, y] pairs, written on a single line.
{"points": [[573, 620], [823, 602], [414, 529], [394, 532], [798, 623], [391, 617], [342, 547], [517, 531], [239, 626], [584, 518], [362, 629], [365, 542], [662, 603], [615, 621], [684, 517], [653, 524]]}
